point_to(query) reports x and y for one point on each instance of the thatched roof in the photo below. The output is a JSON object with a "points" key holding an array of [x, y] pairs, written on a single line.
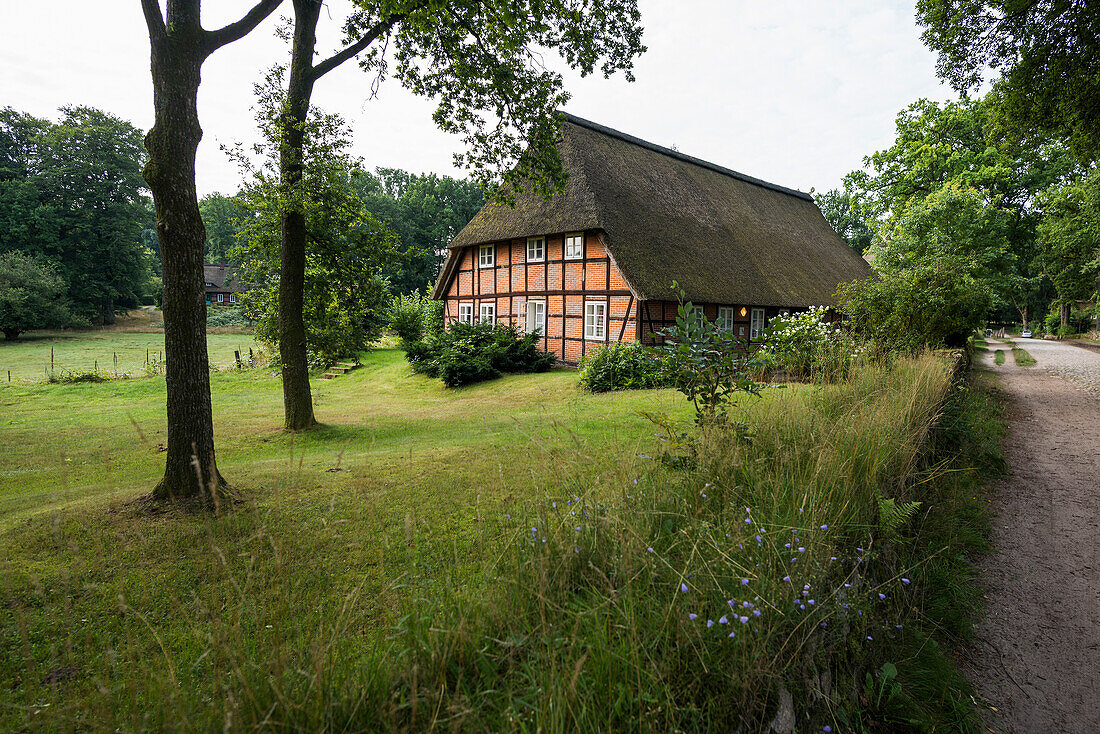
{"points": [[222, 278], [723, 236]]}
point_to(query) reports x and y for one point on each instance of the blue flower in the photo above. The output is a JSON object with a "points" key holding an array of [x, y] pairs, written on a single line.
{"points": [[882, 596], [786, 578], [904, 580], [649, 549], [756, 612], [554, 505], [693, 616], [723, 619], [824, 527], [710, 623], [732, 634], [743, 620], [683, 588]]}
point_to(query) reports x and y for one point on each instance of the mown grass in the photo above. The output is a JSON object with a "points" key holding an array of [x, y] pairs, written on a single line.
{"points": [[382, 573], [999, 356]]}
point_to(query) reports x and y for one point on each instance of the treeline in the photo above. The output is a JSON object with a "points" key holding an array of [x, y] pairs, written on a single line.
{"points": [[970, 217], [78, 244], [76, 224], [424, 212]]}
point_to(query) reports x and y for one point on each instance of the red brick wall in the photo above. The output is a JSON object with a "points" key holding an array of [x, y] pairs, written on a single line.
{"points": [[564, 285]]}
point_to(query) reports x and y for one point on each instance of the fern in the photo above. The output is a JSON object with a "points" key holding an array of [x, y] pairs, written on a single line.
{"points": [[892, 516]]}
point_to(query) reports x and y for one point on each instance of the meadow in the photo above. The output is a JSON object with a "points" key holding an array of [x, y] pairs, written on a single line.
{"points": [[511, 555]]}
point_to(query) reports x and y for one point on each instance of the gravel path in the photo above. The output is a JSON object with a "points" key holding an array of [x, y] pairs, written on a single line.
{"points": [[1036, 659]]}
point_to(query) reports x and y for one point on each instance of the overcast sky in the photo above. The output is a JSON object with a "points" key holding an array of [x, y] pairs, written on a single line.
{"points": [[794, 92]]}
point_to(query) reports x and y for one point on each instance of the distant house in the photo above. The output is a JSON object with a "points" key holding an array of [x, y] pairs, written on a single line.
{"points": [[223, 285], [597, 263]]}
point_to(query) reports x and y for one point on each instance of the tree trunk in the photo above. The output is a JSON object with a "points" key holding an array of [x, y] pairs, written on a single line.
{"points": [[191, 469], [1063, 313], [1023, 317], [297, 397]]}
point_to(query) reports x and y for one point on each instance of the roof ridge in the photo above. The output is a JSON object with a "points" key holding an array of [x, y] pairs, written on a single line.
{"points": [[604, 130]]}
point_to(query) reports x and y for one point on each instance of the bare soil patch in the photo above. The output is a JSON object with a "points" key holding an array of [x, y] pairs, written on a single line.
{"points": [[1036, 658]]}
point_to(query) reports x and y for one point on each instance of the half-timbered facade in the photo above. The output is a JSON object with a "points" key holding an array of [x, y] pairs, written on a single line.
{"points": [[598, 262]]}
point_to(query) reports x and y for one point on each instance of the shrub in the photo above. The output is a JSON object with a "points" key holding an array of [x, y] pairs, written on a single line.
{"points": [[707, 363], [619, 366], [469, 353], [805, 344], [226, 316]]}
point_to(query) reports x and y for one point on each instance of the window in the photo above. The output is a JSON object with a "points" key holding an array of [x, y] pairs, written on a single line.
{"points": [[574, 246], [536, 317], [725, 318], [488, 313], [536, 249], [221, 298], [595, 320], [232, 297], [466, 313], [486, 256], [757, 323]]}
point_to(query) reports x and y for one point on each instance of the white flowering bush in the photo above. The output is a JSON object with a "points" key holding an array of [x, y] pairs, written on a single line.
{"points": [[806, 344]]}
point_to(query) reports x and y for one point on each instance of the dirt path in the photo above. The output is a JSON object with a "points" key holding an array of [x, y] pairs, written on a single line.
{"points": [[1036, 659]]}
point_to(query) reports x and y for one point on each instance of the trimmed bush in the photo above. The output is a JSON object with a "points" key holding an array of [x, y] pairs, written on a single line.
{"points": [[621, 366], [469, 353]]}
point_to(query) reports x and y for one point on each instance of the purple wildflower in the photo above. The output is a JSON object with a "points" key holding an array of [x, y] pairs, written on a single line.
{"points": [[683, 588], [693, 616]]}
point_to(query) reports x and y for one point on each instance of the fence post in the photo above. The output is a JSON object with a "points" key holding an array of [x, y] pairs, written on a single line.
{"points": [[237, 356]]}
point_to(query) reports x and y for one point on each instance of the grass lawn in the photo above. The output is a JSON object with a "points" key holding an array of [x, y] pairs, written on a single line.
{"points": [[28, 358], [386, 570], [399, 455]]}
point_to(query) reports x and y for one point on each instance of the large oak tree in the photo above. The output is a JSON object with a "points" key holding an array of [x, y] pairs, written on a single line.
{"points": [[179, 46]]}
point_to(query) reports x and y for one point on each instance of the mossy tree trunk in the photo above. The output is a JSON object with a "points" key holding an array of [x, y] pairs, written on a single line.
{"points": [[293, 357]]}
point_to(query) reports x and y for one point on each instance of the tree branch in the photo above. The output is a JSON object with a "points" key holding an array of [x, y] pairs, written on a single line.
{"points": [[354, 49], [235, 31], [153, 18]]}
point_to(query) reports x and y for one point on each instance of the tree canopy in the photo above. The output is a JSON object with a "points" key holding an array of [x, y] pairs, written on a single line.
{"points": [[345, 292], [71, 194], [1045, 55]]}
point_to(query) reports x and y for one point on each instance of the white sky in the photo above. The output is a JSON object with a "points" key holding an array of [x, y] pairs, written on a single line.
{"points": [[791, 91]]}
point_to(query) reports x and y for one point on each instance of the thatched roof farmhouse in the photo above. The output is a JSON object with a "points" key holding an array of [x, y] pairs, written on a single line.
{"points": [[597, 262]]}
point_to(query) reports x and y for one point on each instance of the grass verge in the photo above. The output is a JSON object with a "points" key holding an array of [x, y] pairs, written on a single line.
{"points": [[999, 356], [1023, 359]]}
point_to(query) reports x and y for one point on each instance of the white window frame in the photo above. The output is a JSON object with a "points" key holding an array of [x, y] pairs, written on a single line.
{"points": [[573, 248], [756, 323], [595, 320], [536, 249], [487, 309], [232, 297], [486, 256], [725, 318], [539, 310], [221, 298], [466, 313]]}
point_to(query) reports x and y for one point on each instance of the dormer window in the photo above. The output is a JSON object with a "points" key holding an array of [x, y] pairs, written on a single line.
{"points": [[486, 256], [536, 249]]}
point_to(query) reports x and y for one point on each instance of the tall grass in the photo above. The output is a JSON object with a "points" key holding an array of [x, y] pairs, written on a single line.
{"points": [[772, 579]]}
